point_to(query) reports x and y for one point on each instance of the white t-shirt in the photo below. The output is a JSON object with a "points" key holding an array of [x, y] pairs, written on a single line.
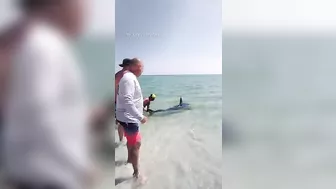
{"points": [[129, 100], [46, 127]]}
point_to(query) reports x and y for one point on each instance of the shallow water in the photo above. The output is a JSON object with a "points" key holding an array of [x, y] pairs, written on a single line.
{"points": [[180, 150]]}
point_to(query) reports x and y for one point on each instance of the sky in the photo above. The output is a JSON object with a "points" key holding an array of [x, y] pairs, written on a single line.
{"points": [[184, 36], [279, 16], [170, 37], [101, 16]]}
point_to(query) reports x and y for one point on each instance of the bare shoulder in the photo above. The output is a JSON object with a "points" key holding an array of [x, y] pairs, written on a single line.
{"points": [[118, 75]]}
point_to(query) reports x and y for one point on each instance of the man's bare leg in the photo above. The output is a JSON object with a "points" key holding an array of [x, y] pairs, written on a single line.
{"points": [[120, 132], [129, 154], [135, 159]]}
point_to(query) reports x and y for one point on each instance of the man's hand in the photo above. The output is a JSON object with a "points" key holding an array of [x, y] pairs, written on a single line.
{"points": [[144, 120]]}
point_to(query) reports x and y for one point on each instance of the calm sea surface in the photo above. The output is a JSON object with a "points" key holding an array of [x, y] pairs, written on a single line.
{"points": [[279, 112], [183, 149], [179, 150]]}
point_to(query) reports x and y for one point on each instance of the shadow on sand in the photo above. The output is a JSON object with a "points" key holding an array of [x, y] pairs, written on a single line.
{"points": [[119, 163], [121, 180]]}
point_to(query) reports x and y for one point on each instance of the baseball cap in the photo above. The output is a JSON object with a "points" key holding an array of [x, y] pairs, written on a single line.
{"points": [[125, 62]]}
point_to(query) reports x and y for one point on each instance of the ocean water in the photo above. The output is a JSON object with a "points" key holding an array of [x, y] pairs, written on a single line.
{"points": [[279, 112], [181, 150]]}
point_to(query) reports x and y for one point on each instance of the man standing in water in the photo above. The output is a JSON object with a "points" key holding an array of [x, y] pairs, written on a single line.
{"points": [[118, 76], [46, 134], [129, 111]]}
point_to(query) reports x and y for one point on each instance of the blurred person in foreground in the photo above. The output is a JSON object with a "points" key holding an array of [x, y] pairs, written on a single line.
{"points": [[129, 111], [125, 65], [46, 118]]}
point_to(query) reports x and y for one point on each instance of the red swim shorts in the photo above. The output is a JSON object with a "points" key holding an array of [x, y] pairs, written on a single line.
{"points": [[133, 139], [131, 131]]}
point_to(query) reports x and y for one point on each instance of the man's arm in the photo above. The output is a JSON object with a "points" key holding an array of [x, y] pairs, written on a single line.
{"points": [[126, 92], [146, 108]]}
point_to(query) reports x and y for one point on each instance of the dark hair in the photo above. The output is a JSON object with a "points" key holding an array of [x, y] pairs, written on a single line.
{"points": [[33, 5]]}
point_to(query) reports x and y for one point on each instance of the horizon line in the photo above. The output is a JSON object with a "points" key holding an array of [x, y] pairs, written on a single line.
{"points": [[179, 74]]}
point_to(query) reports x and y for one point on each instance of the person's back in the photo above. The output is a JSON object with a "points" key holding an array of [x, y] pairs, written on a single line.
{"points": [[125, 63], [147, 102], [46, 133], [122, 111], [118, 77]]}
